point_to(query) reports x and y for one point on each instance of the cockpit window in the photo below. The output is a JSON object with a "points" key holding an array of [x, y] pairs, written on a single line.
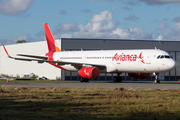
{"points": [[171, 57], [164, 56]]}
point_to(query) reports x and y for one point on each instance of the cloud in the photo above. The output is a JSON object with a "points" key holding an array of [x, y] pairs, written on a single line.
{"points": [[113, 8], [132, 3], [67, 27], [159, 38], [101, 26], [104, 16], [127, 8], [171, 35], [163, 26], [135, 33], [86, 11], [159, 2], [174, 33], [99, 0], [161, 31], [58, 36], [176, 19], [148, 2], [14, 40], [14, 7], [131, 18], [63, 12], [41, 35]]}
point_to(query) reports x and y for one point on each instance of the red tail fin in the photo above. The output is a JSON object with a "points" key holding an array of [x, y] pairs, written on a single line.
{"points": [[50, 40]]}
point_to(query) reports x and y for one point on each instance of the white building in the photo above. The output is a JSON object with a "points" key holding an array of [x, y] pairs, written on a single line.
{"points": [[21, 68]]}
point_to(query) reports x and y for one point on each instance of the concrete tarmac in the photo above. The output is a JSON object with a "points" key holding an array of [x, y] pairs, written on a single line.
{"points": [[98, 85]]}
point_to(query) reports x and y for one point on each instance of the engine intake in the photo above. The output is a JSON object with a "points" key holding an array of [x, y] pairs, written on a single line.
{"points": [[89, 72]]}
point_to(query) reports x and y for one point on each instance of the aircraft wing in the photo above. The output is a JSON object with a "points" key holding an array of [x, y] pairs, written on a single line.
{"points": [[34, 56], [100, 66], [42, 59]]}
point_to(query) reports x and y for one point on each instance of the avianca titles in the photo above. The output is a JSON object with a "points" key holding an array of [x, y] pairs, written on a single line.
{"points": [[89, 64]]}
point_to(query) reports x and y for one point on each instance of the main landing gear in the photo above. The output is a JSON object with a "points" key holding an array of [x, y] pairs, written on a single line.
{"points": [[117, 78], [84, 79], [156, 78]]}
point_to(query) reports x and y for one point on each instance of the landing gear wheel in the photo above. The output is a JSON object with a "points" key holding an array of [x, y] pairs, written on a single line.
{"points": [[117, 79], [156, 78], [84, 79], [81, 79], [114, 79], [158, 81], [155, 81]]}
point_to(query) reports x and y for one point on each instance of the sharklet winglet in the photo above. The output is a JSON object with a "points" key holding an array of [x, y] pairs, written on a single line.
{"points": [[6, 51]]}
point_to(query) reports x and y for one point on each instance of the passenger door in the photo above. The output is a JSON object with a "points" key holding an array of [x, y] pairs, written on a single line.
{"points": [[148, 59]]}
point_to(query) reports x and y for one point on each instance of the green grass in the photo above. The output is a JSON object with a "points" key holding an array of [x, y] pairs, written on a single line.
{"points": [[90, 104]]}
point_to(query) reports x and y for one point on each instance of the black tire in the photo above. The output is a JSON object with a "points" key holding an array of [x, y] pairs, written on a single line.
{"points": [[114, 79], [117, 79], [86, 80], [120, 79], [158, 81], [81, 79]]}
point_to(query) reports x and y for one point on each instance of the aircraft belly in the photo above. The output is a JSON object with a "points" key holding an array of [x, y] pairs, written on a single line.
{"points": [[135, 67], [69, 68], [129, 67]]}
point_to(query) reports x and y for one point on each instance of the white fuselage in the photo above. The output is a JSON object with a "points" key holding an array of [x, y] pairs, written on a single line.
{"points": [[131, 61]]}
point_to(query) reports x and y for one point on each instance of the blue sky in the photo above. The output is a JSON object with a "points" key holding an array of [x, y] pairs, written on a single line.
{"points": [[116, 19]]}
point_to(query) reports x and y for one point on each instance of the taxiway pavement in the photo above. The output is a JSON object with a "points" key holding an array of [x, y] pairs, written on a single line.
{"points": [[98, 85]]}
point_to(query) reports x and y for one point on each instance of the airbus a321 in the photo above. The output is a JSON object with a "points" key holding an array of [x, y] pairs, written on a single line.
{"points": [[89, 64]]}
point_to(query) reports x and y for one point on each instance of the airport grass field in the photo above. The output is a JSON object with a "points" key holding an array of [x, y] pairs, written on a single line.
{"points": [[89, 104]]}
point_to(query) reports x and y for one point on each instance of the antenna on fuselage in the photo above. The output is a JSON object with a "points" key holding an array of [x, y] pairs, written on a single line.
{"points": [[156, 48]]}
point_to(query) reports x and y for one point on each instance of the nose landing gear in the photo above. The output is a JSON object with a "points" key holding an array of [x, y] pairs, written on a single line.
{"points": [[156, 78]]}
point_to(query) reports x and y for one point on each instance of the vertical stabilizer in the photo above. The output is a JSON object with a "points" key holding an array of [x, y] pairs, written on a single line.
{"points": [[50, 40]]}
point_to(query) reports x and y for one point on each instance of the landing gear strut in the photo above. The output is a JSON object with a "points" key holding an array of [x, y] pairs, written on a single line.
{"points": [[156, 78], [84, 79], [117, 78]]}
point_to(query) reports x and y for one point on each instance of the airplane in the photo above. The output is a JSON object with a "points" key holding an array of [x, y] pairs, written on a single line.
{"points": [[138, 64]]}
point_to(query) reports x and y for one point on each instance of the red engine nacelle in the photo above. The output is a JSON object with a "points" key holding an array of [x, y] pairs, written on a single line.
{"points": [[139, 75], [89, 72]]}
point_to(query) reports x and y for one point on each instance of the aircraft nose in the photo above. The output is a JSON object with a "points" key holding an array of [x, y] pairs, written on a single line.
{"points": [[172, 64]]}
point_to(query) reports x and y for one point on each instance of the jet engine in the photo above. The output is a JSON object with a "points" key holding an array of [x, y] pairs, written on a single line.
{"points": [[89, 72], [139, 75]]}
